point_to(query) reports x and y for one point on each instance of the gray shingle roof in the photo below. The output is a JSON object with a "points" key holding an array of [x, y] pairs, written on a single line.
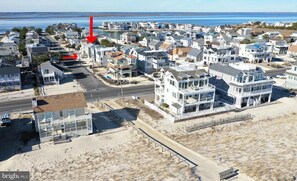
{"points": [[180, 75], [194, 52], [225, 68], [9, 70], [51, 66]]}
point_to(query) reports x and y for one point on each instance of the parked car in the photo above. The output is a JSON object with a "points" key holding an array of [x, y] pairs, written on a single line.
{"points": [[5, 120]]}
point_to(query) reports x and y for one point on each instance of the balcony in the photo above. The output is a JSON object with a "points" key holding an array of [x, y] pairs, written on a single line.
{"points": [[192, 101], [255, 93], [68, 119], [159, 90], [260, 81], [197, 89]]}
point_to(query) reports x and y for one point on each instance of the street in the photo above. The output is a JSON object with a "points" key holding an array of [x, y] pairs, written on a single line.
{"points": [[101, 94]]}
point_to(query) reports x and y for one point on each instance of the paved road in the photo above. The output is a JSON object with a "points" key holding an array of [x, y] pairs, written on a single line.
{"points": [[25, 105]]}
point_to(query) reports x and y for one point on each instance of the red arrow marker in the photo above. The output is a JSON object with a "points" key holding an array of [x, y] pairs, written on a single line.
{"points": [[91, 38], [68, 57]]}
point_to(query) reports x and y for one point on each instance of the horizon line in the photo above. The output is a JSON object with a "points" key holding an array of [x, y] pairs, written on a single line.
{"points": [[147, 12]]}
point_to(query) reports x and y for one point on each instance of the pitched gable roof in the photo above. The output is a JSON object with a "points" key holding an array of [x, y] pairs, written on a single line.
{"points": [[225, 68], [194, 52]]}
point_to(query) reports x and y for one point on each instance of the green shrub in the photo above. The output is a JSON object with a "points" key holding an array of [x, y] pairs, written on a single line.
{"points": [[165, 105]]}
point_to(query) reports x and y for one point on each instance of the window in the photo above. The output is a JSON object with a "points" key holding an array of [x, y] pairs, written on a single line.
{"points": [[46, 71], [61, 113], [47, 115], [71, 113]]}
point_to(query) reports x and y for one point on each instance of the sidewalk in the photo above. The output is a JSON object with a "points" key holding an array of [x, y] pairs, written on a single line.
{"points": [[17, 95]]}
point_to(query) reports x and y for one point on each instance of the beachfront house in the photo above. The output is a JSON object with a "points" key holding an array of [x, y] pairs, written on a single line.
{"points": [[184, 89], [10, 79], [291, 74], [255, 53], [241, 84], [61, 116]]}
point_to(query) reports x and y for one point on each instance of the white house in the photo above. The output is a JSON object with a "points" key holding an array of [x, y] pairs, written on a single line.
{"points": [[152, 61], [61, 116], [186, 42], [51, 73], [184, 90], [255, 53], [245, 31], [128, 37], [198, 43], [220, 55], [241, 84], [71, 35], [279, 47], [291, 74]]}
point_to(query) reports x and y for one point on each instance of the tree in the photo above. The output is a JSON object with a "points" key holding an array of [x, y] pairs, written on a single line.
{"points": [[266, 37], [22, 46], [16, 29], [63, 37], [50, 30], [57, 37], [245, 41], [38, 31]]}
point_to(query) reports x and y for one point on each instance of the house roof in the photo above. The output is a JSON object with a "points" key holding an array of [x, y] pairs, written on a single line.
{"points": [[153, 53], [181, 50], [194, 52], [51, 66], [225, 68], [9, 70], [165, 46], [38, 49], [294, 63], [293, 48], [180, 75], [155, 43], [60, 102]]}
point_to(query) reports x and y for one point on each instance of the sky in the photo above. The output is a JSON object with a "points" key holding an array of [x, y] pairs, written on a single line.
{"points": [[148, 5]]}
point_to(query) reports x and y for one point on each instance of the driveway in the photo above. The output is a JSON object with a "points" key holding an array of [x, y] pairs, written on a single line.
{"points": [[85, 78]]}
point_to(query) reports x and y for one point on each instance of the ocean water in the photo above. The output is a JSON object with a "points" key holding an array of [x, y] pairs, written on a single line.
{"points": [[18, 19]]}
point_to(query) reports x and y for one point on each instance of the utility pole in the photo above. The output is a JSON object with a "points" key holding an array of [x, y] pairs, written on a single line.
{"points": [[122, 92]]}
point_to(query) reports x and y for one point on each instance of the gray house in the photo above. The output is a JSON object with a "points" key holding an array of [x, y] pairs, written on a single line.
{"points": [[195, 55], [10, 79]]}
